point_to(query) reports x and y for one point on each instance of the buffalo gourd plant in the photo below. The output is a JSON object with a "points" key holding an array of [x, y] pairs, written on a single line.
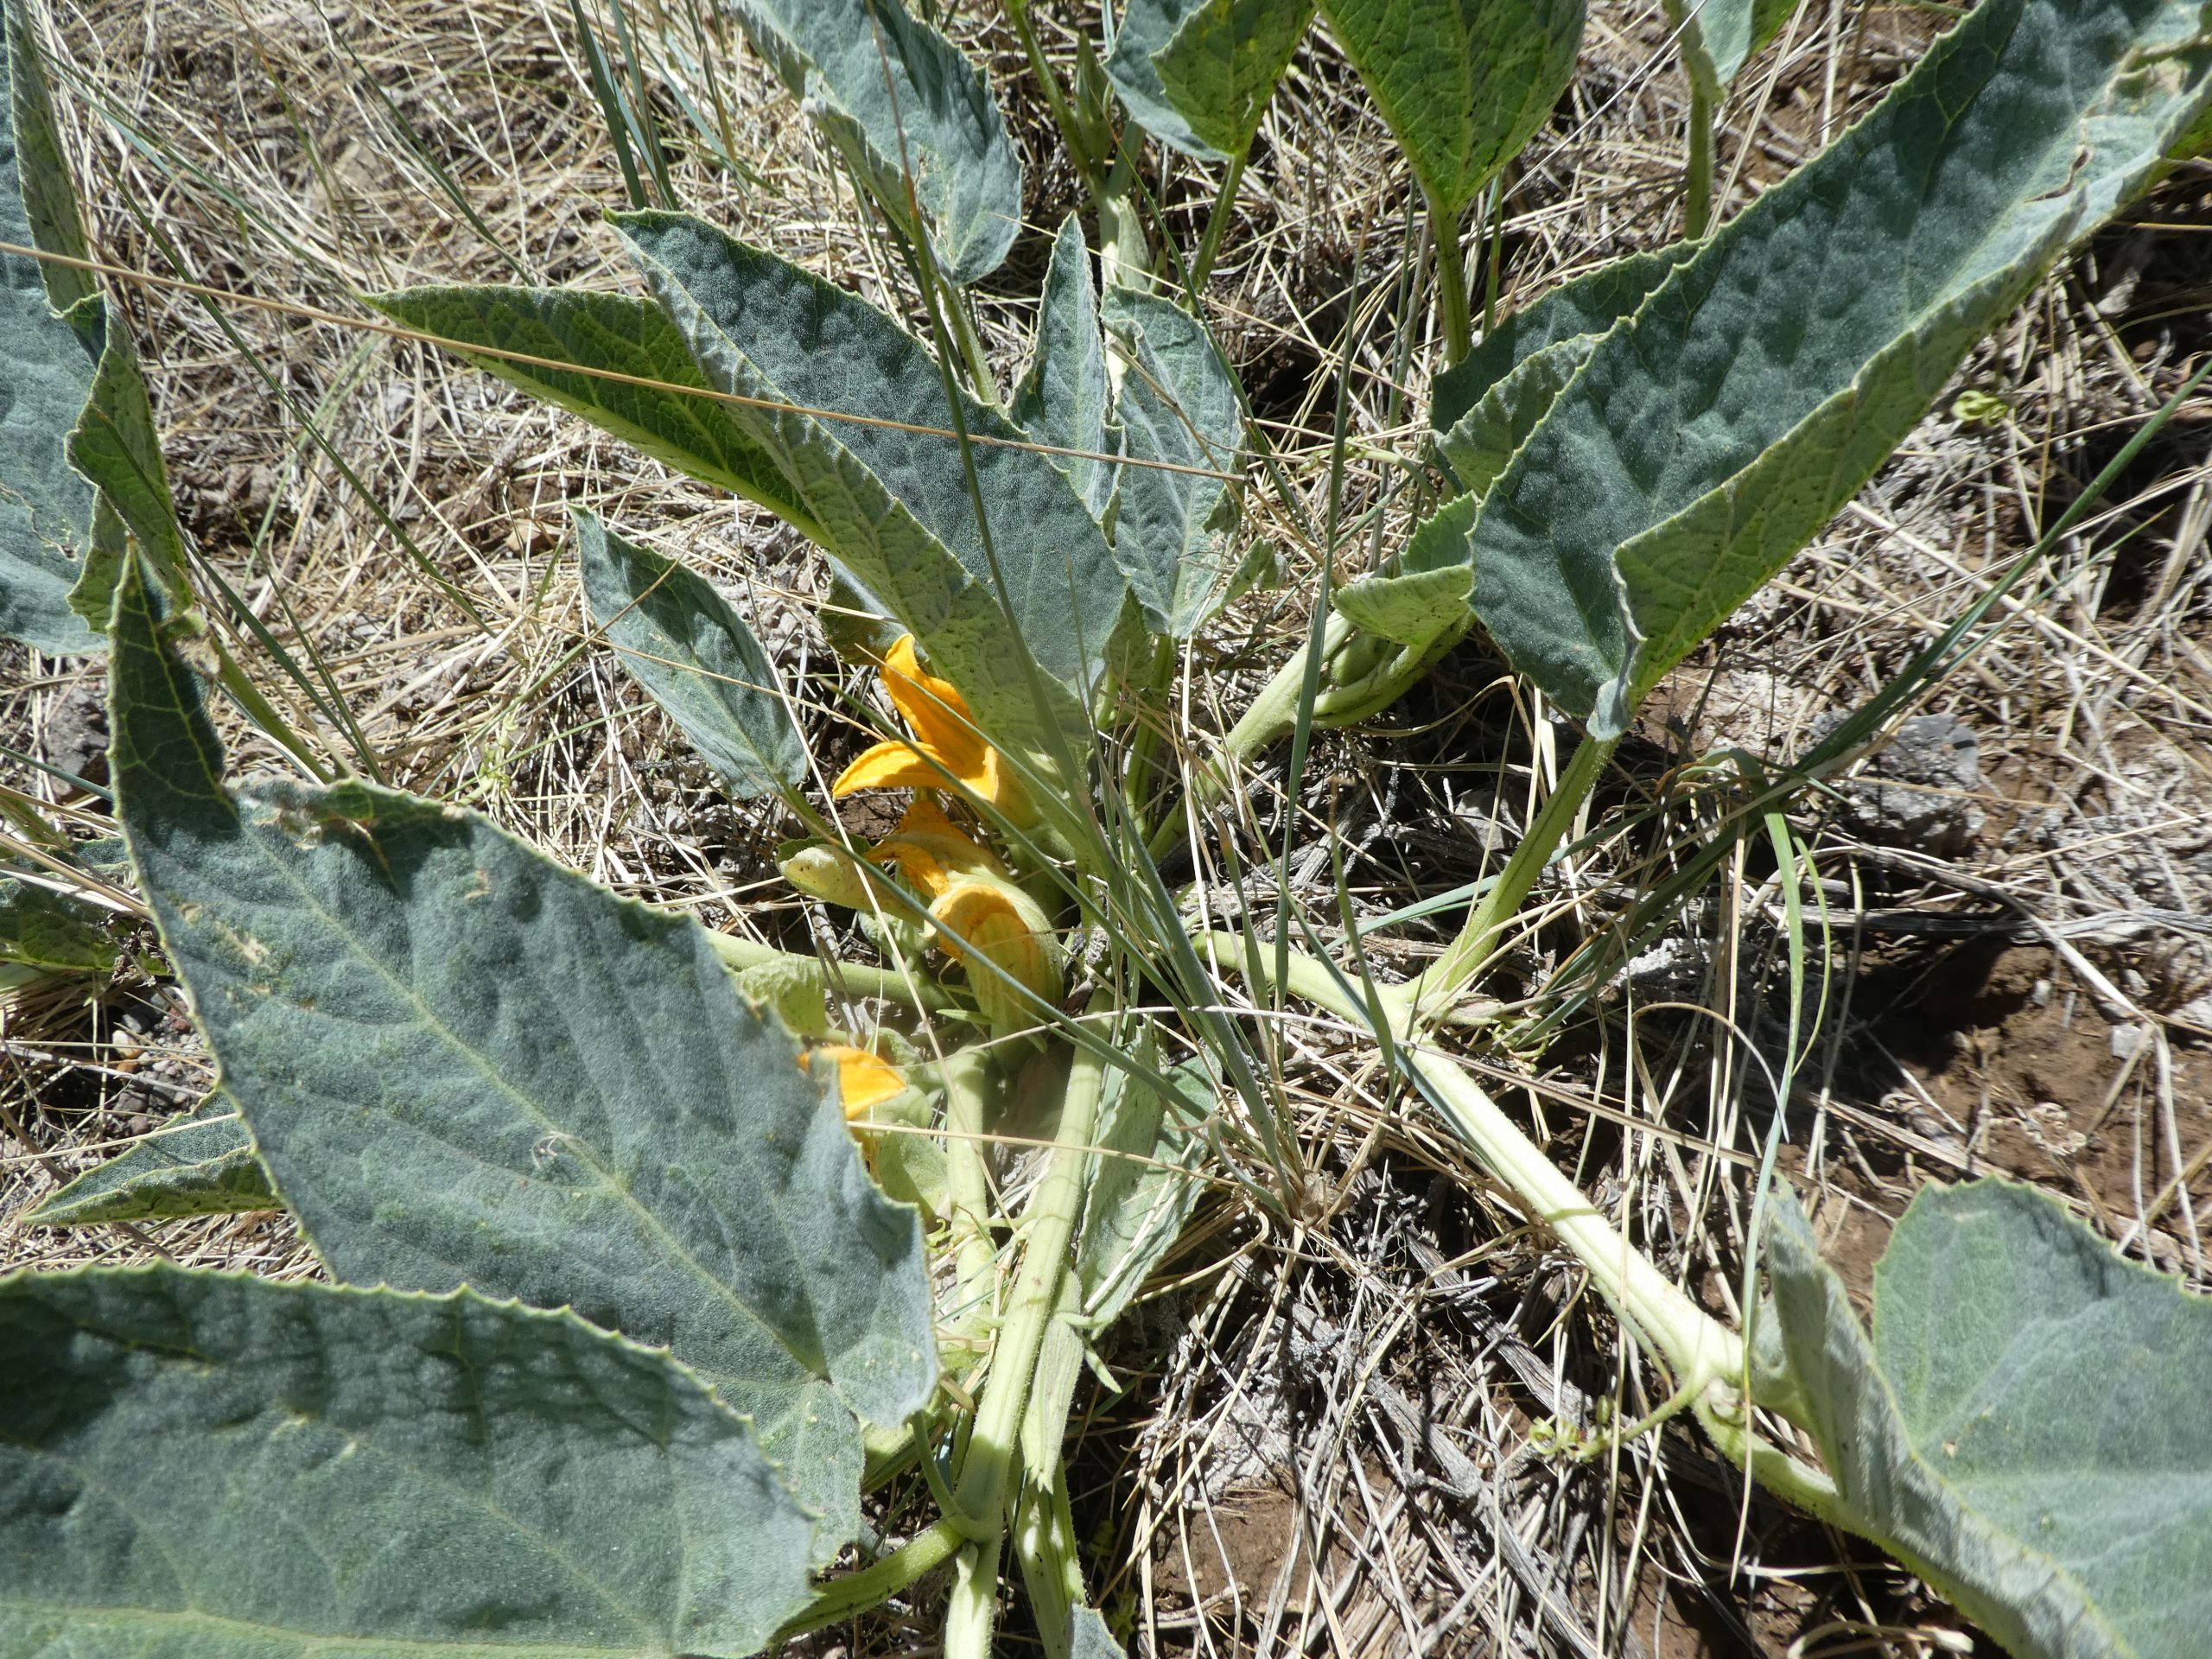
{"points": [[648, 1261]]}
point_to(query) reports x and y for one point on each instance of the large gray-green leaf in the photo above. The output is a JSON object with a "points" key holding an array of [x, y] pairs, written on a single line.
{"points": [[212, 1466], [1173, 531], [1762, 383], [462, 1064], [45, 509], [694, 655], [1717, 35], [897, 97], [1062, 399], [1197, 75], [892, 503], [1484, 409], [694, 434], [2027, 1428], [202, 1165], [1462, 83]]}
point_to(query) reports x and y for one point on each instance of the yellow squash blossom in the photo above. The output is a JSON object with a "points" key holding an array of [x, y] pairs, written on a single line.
{"points": [[945, 748], [864, 1081], [973, 904]]}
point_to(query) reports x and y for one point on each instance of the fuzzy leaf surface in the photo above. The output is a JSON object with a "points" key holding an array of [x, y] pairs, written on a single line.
{"points": [[45, 509], [1172, 530], [2026, 1428], [463, 1064], [204, 1166], [1062, 399], [887, 89], [1220, 66], [694, 656], [893, 506], [1763, 381], [694, 434], [199, 1466], [1462, 83]]}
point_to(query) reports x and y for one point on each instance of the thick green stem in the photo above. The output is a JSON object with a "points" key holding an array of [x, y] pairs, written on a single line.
{"points": [[841, 1598], [1225, 209], [738, 954], [967, 1074], [1698, 1348], [1047, 1226], [1451, 301], [1433, 990], [971, 346], [1697, 209]]}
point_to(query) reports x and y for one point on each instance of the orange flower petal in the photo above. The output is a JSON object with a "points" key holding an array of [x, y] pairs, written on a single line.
{"points": [[937, 711], [864, 1082], [895, 764]]}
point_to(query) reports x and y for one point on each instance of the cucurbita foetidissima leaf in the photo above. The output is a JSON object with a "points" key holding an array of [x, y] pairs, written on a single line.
{"points": [[679, 639], [81, 461], [201, 1465], [895, 95], [690, 430], [1717, 35], [46, 508], [2026, 1428], [462, 1064], [1063, 397], [1197, 74], [1175, 531], [1710, 436], [1462, 84]]}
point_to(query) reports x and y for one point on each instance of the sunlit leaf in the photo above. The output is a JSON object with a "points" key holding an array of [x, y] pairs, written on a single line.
{"points": [[631, 337], [680, 639], [203, 1166], [1462, 83], [1765, 379], [462, 1064], [1062, 399], [2026, 1428], [1197, 74], [1174, 530]]}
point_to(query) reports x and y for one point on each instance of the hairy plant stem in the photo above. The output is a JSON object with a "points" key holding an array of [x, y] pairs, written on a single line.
{"points": [[967, 1074], [1424, 998], [1696, 1347], [1451, 298], [841, 1598], [1216, 222], [1048, 1225], [842, 978], [1273, 713], [1697, 196]]}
